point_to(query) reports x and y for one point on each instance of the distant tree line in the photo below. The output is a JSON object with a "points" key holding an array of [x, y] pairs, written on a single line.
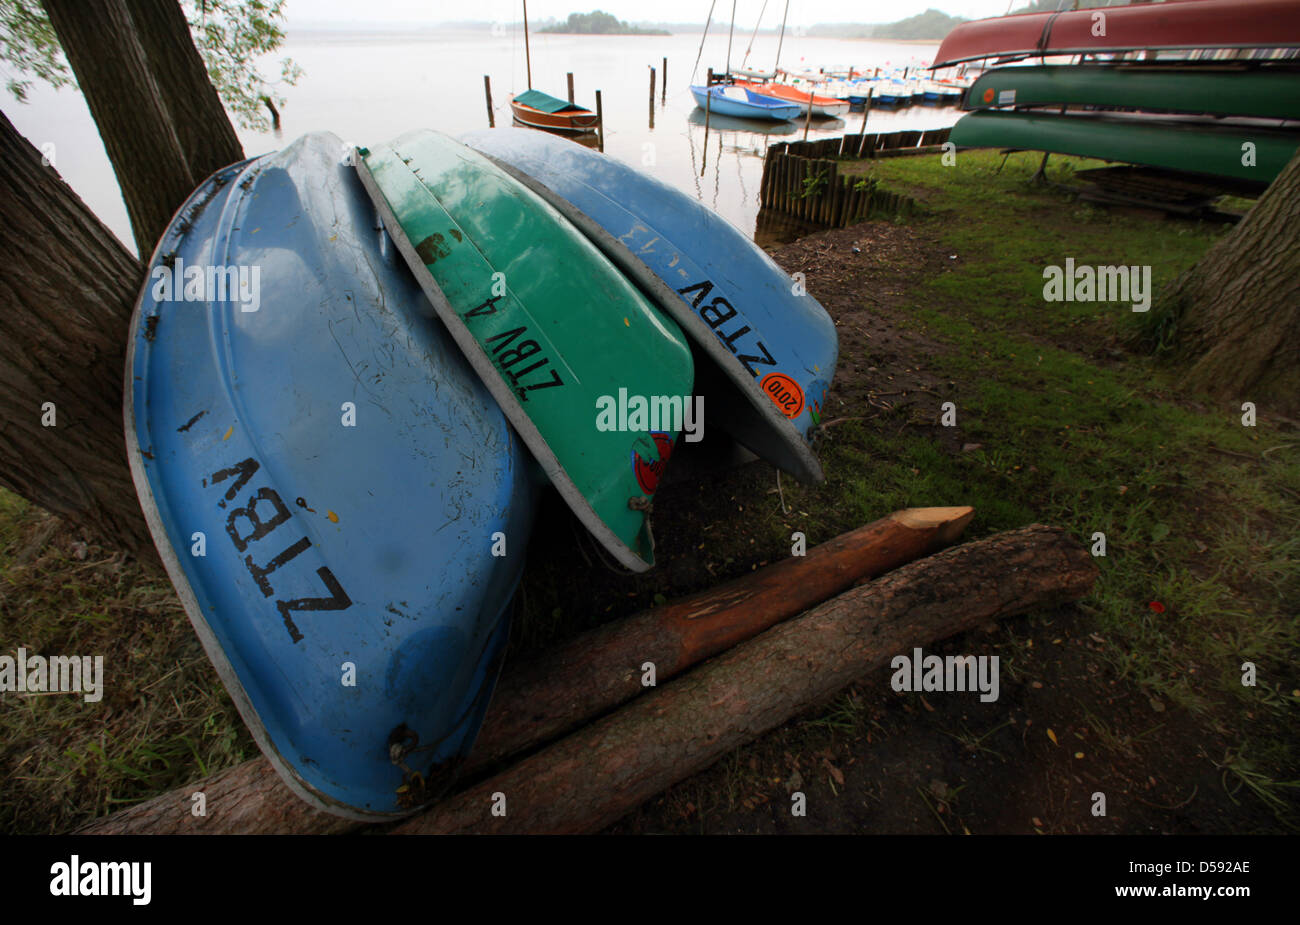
{"points": [[932, 24], [599, 23]]}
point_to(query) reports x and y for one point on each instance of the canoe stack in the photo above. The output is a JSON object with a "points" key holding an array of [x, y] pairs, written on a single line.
{"points": [[1202, 87], [339, 454]]}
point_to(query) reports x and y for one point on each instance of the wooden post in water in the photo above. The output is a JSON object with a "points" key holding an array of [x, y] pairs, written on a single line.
{"points": [[866, 110], [487, 90], [708, 106], [600, 122], [528, 58], [652, 97], [570, 76], [664, 87], [807, 123]]}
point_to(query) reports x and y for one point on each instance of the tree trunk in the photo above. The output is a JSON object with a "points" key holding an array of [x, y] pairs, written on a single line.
{"points": [[1237, 311], [542, 698], [207, 139], [104, 51], [603, 771], [67, 286]]}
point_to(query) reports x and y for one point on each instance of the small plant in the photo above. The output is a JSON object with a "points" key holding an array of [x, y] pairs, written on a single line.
{"points": [[813, 184]]}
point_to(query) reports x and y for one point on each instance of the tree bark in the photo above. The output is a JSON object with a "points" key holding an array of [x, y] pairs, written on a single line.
{"points": [[207, 139], [544, 697], [600, 773], [1238, 309], [67, 286], [105, 53]]}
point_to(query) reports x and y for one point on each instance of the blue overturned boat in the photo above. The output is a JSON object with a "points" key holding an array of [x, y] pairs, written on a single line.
{"points": [[766, 350], [742, 102], [340, 504]]}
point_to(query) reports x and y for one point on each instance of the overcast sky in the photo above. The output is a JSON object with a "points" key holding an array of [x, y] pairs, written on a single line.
{"points": [[802, 12]]}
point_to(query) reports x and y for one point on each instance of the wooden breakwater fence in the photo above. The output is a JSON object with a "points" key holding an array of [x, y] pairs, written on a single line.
{"points": [[802, 178]]}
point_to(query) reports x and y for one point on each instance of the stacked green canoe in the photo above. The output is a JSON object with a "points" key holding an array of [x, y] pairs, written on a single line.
{"points": [[552, 327], [1161, 115]]}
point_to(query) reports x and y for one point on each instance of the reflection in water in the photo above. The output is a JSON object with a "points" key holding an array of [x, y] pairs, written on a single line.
{"points": [[720, 123], [772, 229], [586, 139]]}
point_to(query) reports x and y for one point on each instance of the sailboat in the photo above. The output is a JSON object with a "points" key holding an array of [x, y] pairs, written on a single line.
{"points": [[536, 109]]}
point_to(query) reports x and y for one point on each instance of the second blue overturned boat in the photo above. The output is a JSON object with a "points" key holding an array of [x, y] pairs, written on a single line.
{"points": [[771, 347]]}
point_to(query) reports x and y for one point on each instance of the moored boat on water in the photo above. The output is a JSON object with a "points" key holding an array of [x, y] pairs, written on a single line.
{"points": [[540, 110], [742, 102], [826, 107], [549, 324], [323, 475]]}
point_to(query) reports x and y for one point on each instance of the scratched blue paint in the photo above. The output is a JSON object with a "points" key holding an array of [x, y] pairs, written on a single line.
{"points": [[739, 308], [326, 544]]}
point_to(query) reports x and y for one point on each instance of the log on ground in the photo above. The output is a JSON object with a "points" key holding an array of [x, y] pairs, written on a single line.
{"points": [[597, 775], [541, 698]]}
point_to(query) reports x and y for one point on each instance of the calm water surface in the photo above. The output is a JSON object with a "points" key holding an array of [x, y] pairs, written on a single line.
{"points": [[367, 88]]}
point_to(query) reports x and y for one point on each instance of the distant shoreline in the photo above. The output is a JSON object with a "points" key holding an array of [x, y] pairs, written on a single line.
{"points": [[650, 32]]}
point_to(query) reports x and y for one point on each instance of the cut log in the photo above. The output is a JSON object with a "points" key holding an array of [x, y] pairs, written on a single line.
{"points": [[541, 698], [565, 686], [597, 775]]}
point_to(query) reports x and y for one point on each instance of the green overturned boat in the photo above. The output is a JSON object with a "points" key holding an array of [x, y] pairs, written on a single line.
{"points": [[1267, 93], [556, 332], [1251, 153]]}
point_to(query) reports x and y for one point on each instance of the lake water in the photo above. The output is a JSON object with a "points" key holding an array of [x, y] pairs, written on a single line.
{"points": [[369, 87]]}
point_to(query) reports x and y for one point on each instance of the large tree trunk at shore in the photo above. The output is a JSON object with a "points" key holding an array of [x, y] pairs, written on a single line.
{"points": [[67, 286], [1237, 312], [66, 290], [207, 139], [100, 42]]}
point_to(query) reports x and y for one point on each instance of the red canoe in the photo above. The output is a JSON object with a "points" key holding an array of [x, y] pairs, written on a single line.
{"points": [[1173, 24], [827, 106]]}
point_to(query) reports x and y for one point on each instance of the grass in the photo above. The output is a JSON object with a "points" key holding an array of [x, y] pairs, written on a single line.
{"points": [[1198, 511], [164, 719]]}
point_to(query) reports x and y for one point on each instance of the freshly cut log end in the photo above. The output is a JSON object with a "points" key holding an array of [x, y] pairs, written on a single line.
{"points": [[948, 522]]}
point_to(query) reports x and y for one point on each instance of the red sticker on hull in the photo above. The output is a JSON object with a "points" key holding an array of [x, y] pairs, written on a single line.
{"points": [[784, 392], [649, 471]]}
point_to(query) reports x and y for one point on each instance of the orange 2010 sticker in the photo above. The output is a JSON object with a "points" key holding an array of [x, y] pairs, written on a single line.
{"points": [[988, 95], [784, 392]]}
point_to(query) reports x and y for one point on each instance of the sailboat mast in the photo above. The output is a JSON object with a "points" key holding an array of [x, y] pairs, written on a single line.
{"points": [[777, 66], [528, 59], [730, 33]]}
